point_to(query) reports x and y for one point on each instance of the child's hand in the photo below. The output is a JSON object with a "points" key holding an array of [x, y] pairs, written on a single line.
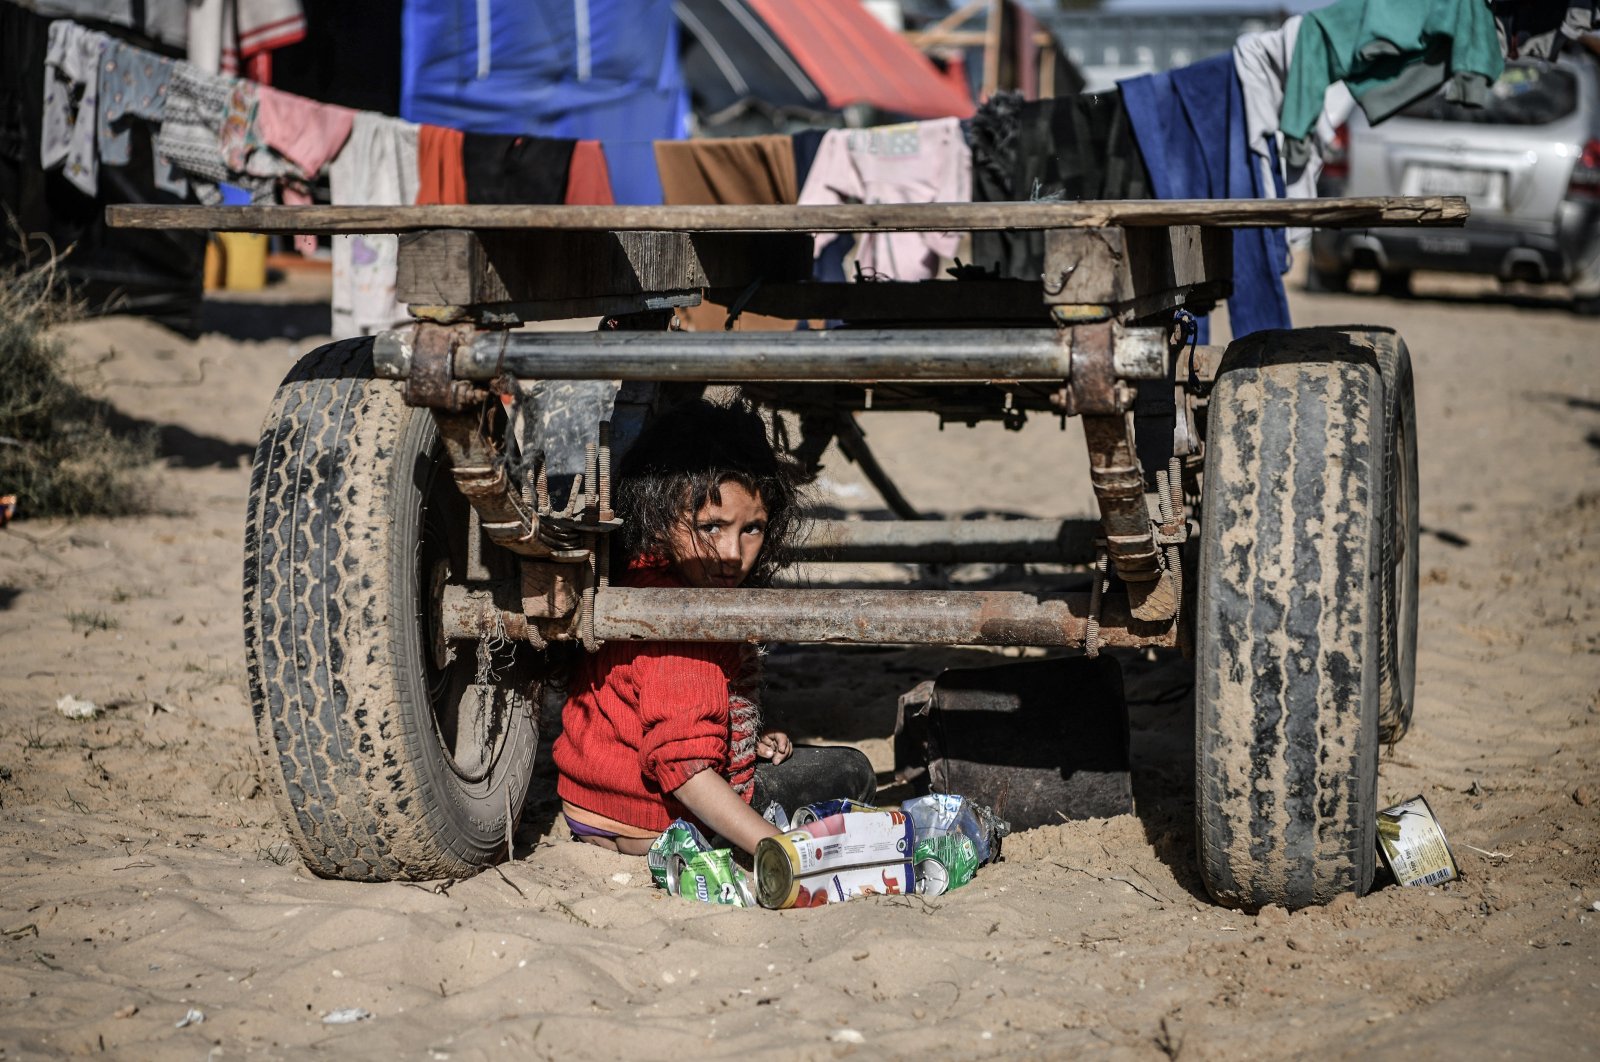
{"points": [[775, 746]]}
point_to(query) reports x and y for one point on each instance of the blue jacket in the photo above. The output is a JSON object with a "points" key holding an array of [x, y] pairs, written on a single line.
{"points": [[1190, 126]]}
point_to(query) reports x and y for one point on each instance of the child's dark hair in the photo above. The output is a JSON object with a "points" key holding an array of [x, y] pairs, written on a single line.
{"points": [[678, 465]]}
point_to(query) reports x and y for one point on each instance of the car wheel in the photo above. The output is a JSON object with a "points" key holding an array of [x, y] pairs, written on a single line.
{"points": [[1327, 281], [1395, 285]]}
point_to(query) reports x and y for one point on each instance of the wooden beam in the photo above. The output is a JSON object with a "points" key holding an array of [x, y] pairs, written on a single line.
{"points": [[1092, 274], [991, 50], [459, 267], [1356, 212]]}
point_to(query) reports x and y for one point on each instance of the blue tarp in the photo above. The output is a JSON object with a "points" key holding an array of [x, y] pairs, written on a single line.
{"points": [[586, 69], [1191, 132]]}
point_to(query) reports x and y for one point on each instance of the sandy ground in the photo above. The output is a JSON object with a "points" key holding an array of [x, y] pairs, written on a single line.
{"points": [[145, 874]]}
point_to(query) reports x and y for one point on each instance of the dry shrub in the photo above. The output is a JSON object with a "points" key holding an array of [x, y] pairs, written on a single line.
{"points": [[57, 452]]}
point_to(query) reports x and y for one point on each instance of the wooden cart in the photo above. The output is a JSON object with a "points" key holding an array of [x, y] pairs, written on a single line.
{"points": [[414, 554]]}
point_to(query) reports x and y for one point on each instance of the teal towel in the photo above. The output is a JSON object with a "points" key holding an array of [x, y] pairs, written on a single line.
{"points": [[1390, 54]]}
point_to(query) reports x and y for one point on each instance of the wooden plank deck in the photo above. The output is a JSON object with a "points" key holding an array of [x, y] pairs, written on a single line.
{"points": [[928, 217]]}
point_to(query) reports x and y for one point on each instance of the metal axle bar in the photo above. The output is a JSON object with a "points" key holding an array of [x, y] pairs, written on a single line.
{"points": [[838, 355], [884, 617], [951, 541]]}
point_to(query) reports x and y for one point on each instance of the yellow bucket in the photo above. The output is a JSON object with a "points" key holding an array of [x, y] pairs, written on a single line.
{"points": [[244, 260]]}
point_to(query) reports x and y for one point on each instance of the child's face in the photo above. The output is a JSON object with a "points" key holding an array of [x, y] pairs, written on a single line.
{"points": [[719, 547]]}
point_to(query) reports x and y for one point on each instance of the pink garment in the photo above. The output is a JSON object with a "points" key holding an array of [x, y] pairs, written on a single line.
{"points": [[307, 133], [918, 162]]}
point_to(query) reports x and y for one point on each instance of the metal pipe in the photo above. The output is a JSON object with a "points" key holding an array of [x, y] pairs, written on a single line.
{"points": [[951, 541], [887, 617], [843, 355]]}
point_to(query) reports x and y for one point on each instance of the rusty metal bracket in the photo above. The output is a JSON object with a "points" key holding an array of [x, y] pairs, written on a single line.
{"points": [[431, 380]]}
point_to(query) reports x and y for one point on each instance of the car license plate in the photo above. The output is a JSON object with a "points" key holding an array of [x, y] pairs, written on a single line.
{"points": [[1483, 188]]}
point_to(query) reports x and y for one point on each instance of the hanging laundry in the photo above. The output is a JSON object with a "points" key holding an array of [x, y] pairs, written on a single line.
{"points": [[133, 87], [737, 170], [191, 131], [632, 165], [1069, 148], [1190, 126], [1541, 29], [806, 144], [830, 257], [225, 36], [918, 162], [71, 94], [1389, 55], [110, 270], [515, 169], [306, 133], [441, 178], [588, 181], [1262, 60], [377, 167]]}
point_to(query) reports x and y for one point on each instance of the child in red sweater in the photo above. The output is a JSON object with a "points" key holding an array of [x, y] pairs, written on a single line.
{"points": [[654, 731]]}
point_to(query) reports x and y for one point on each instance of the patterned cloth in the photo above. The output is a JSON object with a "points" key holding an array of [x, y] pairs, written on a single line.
{"points": [[71, 94], [133, 85]]}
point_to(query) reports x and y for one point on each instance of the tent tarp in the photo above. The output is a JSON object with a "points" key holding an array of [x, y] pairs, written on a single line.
{"points": [[853, 58], [731, 57], [588, 69]]}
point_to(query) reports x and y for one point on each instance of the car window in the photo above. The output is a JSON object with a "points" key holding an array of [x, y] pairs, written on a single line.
{"points": [[1526, 94]]}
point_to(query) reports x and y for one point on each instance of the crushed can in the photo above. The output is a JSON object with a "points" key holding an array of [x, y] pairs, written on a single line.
{"points": [[944, 862], [826, 809], [947, 813], [1412, 844], [683, 862], [839, 858]]}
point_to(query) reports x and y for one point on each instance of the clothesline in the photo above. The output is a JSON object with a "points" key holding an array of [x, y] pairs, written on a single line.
{"points": [[1210, 130]]}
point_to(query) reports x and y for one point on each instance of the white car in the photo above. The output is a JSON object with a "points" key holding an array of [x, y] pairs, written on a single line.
{"points": [[1528, 163]]}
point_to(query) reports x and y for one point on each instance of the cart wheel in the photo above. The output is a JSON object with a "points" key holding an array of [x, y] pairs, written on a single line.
{"points": [[1397, 652], [1289, 617], [399, 756]]}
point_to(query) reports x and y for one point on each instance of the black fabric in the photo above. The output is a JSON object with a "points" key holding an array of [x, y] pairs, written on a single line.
{"points": [[113, 270], [814, 773], [806, 145], [515, 169], [1067, 148], [730, 58], [350, 56]]}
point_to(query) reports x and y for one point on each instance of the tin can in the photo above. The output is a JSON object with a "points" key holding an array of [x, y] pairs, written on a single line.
{"points": [[824, 809], [944, 862], [710, 877], [837, 858], [1413, 846], [683, 862]]}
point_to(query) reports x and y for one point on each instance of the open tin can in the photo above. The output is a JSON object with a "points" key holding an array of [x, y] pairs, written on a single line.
{"points": [[1413, 846]]}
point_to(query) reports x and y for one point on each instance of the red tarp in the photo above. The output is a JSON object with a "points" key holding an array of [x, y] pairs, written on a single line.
{"points": [[854, 58]]}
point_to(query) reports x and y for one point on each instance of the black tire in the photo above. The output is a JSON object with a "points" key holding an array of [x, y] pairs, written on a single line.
{"points": [[1288, 621], [1327, 282], [1396, 285], [1397, 661], [390, 761]]}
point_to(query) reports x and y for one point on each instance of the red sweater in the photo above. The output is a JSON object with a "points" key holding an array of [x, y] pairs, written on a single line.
{"points": [[642, 718]]}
